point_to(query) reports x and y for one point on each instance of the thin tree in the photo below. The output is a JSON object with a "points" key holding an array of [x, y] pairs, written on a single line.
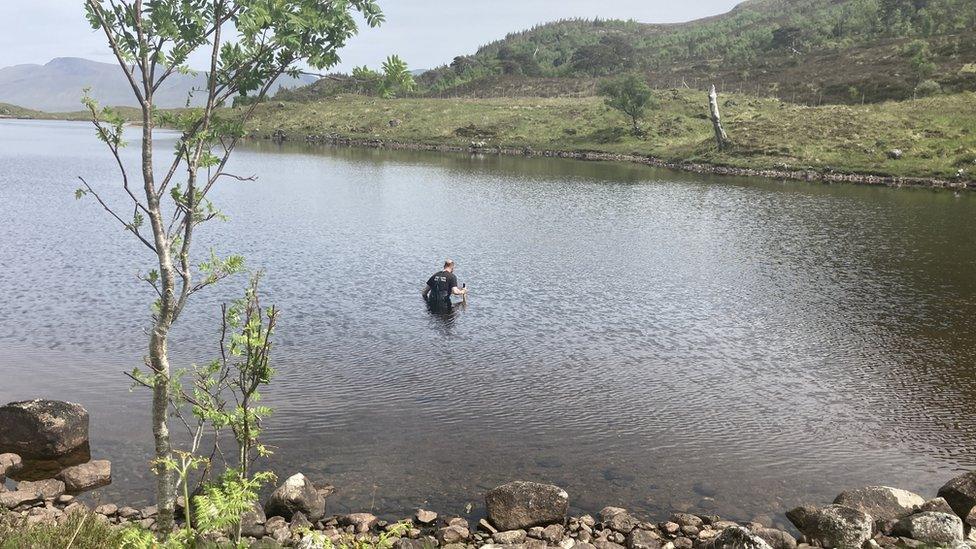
{"points": [[630, 95], [249, 45]]}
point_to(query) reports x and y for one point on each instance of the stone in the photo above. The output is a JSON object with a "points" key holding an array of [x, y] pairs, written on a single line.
{"points": [[737, 537], [670, 528], [149, 512], [553, 534], [690, 531], [608, 513], [584, 545], [687, 519], [87, 476], [509, 537], [938, 504], [523, 504], [896, 154], [361, 522], [535, 532], [683, 543], [77, 507], [457, 521], [423, 516], [960, 492], [838, 526], [588, 520], [64, 499], [452, 534], [803, 517], [128, 512], [643, 539], [299, 523], [48, 489], [109, 509], [971, 518], [296, 494], [406, 543], [622, 522], [485, 526], [42, 429], [10, 464], [16, 498], [604, 544], [881, 502], [777, 539], [252, 523], [931, 527]]}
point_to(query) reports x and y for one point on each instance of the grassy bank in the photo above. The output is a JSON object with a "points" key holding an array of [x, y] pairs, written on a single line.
{"points": [[937, 135]]}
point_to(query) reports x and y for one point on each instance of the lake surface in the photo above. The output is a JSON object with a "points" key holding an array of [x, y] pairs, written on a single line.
{"points": [[640, 337]]}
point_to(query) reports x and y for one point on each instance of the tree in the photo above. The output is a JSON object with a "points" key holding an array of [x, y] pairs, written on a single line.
{"points": [[920, 60], [249, 44], [397, 79], [630, 95]]}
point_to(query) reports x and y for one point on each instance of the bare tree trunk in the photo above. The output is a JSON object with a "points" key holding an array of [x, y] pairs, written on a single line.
{"points": [[721, 138]]}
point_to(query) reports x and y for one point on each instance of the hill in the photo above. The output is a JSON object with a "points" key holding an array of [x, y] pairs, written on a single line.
{"points": [[57, 85], [802, 51]]}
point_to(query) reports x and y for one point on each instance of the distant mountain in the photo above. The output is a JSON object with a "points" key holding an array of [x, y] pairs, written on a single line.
{"points": [[57, 86]]}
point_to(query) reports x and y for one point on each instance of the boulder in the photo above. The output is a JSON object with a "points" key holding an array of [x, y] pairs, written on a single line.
{"points": [[896, 154], [299, 523], [643, 539], [108, 509], [777, 539], [605, 544], [833, 525], [296, 494], [42, 429], [520, 505], [608, 513], [87, 476], [881, 502], [48, 489], [509, 537], [937, 504], [960, 492], [687, 519], [931, 527], [737, 537], [553, 534]]}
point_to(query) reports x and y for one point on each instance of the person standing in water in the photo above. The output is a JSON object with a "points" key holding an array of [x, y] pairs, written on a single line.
{"points": [[441, 286]]}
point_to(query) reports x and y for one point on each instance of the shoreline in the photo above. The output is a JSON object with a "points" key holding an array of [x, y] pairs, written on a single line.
{"points": [[776, 174]]}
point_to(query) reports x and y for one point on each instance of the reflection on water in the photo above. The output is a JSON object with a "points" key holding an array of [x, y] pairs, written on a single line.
{"points": [[642, 338]]}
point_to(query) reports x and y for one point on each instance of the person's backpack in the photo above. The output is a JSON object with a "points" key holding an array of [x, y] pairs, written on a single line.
{"points": [[441, 292]]}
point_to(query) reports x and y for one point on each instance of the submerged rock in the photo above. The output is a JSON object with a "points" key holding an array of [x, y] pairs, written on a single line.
{"points": [[42, 429], [521, 505], [296, 494], [931, 527], [881, 502], [48, 489], [87, 476]]}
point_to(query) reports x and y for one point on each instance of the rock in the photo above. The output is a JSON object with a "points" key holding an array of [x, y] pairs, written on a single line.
{"points": [[64, 499], [109, 509], [296, 494], [584, 545], [960, 492], [525, 504], [149, 512], [457, 521], [971, 518], [683, 543], [643, 539], [671, 528], [604, 544], [42, 429], [777, 539], [485, 526], [128, 512], [608, 513], [423, 516], [837, 526], [687, 519], [588, 520], [10, 464], [881, 502], [406, 543], [896, 154], [553, 534], [48, 489], [803, 517], [77, 507], [737, 537], [938, 504], [535, 532], [361, 522], [690, 531], [452, 534], [87, 476], [16, 498], [299, 523], [622, 522], [395, 122], [252, 523], [931, 527], [509, 537]]}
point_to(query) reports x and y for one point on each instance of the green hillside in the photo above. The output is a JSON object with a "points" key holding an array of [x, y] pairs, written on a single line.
{"points": [[801, 51]]}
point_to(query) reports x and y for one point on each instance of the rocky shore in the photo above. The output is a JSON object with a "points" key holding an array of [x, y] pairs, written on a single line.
{"points": [[783, 172], [517, 515]]}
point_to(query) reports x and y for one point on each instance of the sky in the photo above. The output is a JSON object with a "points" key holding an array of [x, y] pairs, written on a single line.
{"points": [[426, 33]]}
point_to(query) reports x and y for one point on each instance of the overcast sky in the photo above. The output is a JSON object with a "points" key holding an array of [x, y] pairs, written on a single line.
{"points": [[426, 33]]}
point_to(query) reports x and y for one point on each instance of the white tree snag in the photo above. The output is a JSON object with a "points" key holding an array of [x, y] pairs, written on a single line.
{"points": [[721, 138]]}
